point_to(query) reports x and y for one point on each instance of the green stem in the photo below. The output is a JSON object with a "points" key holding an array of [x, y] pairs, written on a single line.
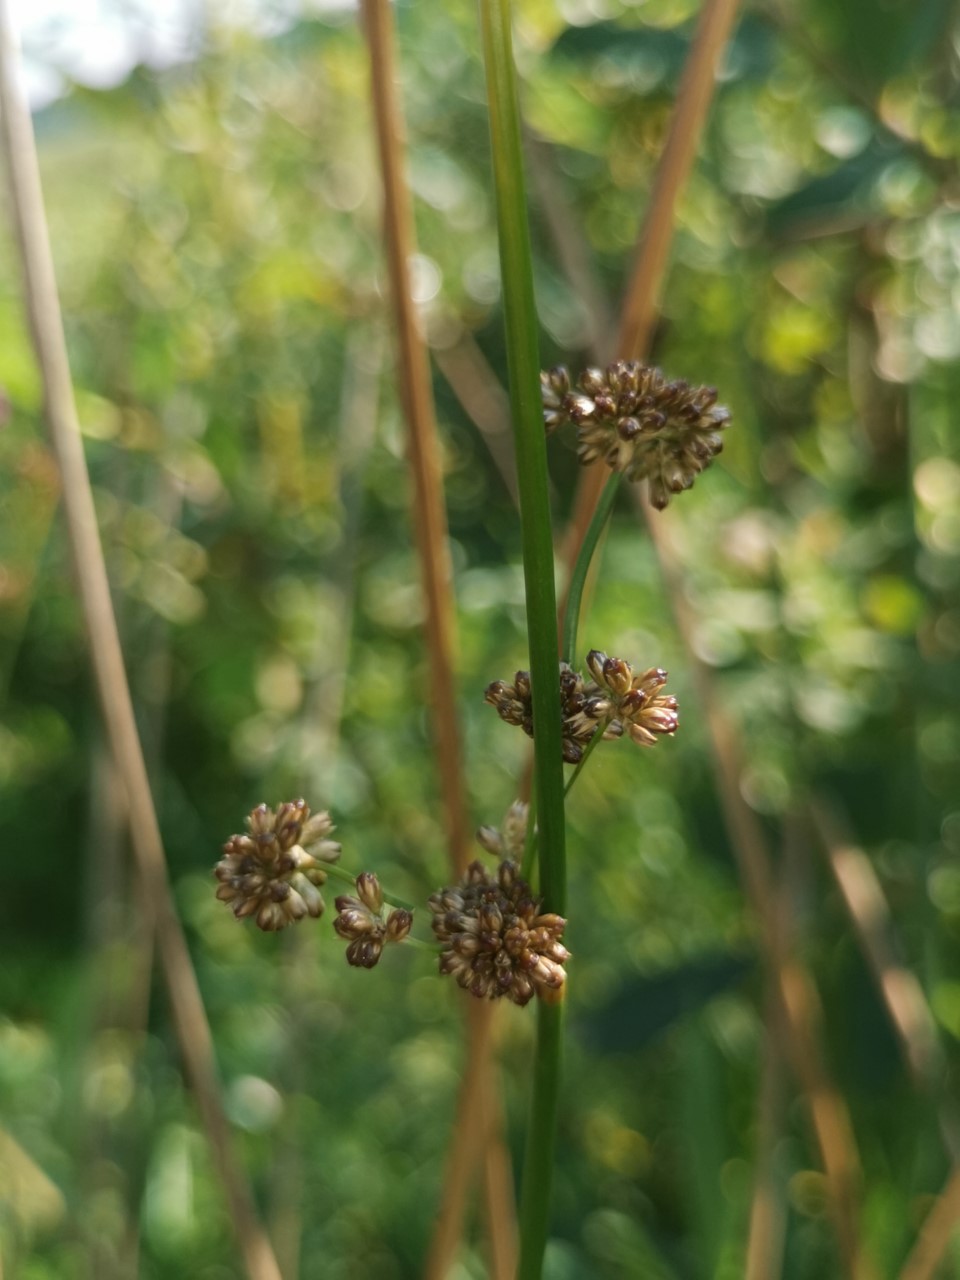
{"points": [[591, 746], [541, 1141], [529, 860], [410, 941], [578, 577], [529, 864], [523, 364]]}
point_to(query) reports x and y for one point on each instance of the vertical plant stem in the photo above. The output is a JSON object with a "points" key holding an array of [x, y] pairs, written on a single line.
{"points": [[430, 517], [189, 1015], [524, 372]]}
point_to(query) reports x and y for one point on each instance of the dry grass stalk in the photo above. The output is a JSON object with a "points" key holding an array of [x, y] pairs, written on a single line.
{"points": [[192, 1028], [642, 301], [900, 990], [423, 444], [432, 543], [794, 990], [482, 398], [796, 994], [927, 1255], [768, 1219], [470, 1130]]}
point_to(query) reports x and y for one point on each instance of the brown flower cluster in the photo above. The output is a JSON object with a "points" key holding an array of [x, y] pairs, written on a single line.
{"points": [[361, 921], [275, 870], [494, 940], [638, 422], [615, 701], [634, 704]]}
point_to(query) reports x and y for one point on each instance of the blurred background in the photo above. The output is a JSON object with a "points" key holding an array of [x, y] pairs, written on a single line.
{"points": [[213, 195]]}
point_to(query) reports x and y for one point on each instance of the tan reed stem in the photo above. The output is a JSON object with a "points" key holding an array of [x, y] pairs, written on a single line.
{"points": [[900, 990], [471, 379], [925, 1258], [795, 992], [642, 300], [765, 1242], [423, 445], [467, 1145], [799, 1004], [43, 307]]}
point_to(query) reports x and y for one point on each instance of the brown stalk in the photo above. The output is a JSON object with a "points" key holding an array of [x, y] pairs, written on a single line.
{"points": [[795, 993], [432, 544], [899, 988], [765, 1241], [43, 307], [926, 1256], [482, 398], [800, 1010], [641, 304]]}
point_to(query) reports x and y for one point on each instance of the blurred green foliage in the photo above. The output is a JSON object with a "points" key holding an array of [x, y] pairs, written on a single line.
{"points": [[216, 228]]}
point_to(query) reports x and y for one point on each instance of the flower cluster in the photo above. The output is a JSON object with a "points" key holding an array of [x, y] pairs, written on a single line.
{"points": [[494, 940], [639, 423], [634, 704], [514, 703], [275, 870], [361, 921], [614, 702]]}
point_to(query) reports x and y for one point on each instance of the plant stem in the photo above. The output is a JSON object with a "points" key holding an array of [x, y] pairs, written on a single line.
{"points": [[571, 615], [524, 373], [591, 745]]}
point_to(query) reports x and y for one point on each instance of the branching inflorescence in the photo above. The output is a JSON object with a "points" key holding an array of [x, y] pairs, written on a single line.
{"points": [[638, 422], [493, 937]]}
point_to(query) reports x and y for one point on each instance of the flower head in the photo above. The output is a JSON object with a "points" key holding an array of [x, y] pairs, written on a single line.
{"points": [[638, 707], [514, 703], [630, 415], [495, 941], [360, 920], [274, 871], [614, 702]]}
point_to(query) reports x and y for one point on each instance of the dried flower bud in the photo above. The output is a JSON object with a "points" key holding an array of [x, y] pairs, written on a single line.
{"points": [[399, 924], [494, 940], [274, 871], [639, 423]]}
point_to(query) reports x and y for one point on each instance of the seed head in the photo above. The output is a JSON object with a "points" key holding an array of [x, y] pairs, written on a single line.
{"points": [[637, 705], [360, 920], [614, 702], [274, 871], [514, 703], [495, 942], [639, 423]]}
